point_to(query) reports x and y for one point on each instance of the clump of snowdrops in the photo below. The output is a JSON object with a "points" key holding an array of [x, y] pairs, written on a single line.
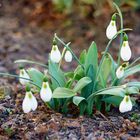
{"points": [[94, 83]]}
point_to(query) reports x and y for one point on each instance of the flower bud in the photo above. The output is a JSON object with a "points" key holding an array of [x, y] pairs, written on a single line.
{"points": [[68, 56], [125, 50], [120, 72], [111, 30], [45, 92], [126, 104], [23, 74], [55, 55], [29, 102]]}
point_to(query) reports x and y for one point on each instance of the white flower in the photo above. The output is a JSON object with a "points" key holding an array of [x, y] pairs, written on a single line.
{"points": [[120, 72], [46, 92], [68, 56], [29, 102], [126, 104], [125, 51], [111, 29], [55, 55], [23, 74]]}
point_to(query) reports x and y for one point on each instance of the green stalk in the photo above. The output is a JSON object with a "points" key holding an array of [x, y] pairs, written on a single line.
{"points": [[65, 45], [106, 51], [121, 36], [133, 62], [16, 76], [30, 62], [63, 53]]}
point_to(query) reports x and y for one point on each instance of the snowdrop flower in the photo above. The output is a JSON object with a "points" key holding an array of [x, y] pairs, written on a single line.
{"points": [[23, 74], [126, 104], [29, 102], [112, 28], [120, 70], [68, 56], [125, 49], [45, 92], [55, 55]]}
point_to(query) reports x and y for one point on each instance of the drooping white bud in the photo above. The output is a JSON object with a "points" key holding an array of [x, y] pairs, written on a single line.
{"points": [[23, 74], [68, 56], [29, 102], [125, 51], [112, 28], [126, 104], [120, 72], [55, 55], [46, 92]]}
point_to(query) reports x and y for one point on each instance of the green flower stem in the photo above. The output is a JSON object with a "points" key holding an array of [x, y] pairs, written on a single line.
{"points": [[16, 76], [106, 51], [138, 59], [30, 62], [121, 37], [55, 79], [63, 53], [65, 45]]}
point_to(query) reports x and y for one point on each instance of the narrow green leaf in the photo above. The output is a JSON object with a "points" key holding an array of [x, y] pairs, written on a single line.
{"points": [[63, 93], [55, 71], [78, 73], [82, 83], [136, 84], [69, 74], [105, 70], [92, 57], [114, 91], [114, 100], [132, 71], [83, 57], [36, 76], [77, 100], [87, 90], [132, 90]]}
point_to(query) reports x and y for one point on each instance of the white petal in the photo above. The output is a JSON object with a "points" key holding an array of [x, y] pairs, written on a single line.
{"points": [[34, 103], [46, 93], [111, 29], [26, 106], [23, 74], [68, 56], [55, 55], [125, 105], [120, 72], [125, 51]]}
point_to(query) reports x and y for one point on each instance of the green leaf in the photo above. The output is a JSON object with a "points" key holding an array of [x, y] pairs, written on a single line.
{"points": [[113, 91], [36, 76], [87, 90], [135, 84], [63, 93], [83, 57], [58, 79], [92, 58], [114, 100], [78, 73], [132, 71], [82, 83], [77, 100], [132, 90], [69, 74], [105, 70]]}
